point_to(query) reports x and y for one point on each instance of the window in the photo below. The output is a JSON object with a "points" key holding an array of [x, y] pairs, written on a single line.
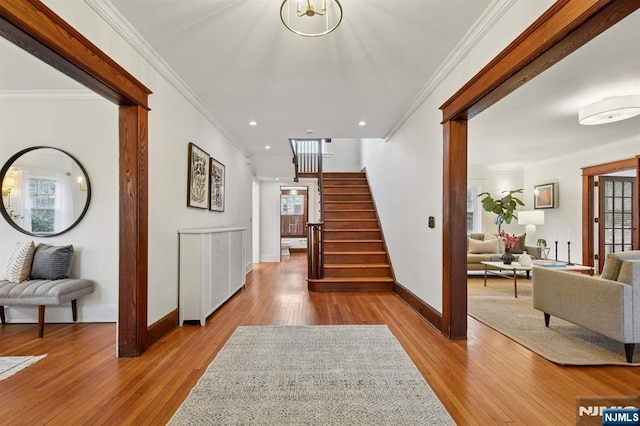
{"points": [[291, 205], [473, 209], [42, 198]]}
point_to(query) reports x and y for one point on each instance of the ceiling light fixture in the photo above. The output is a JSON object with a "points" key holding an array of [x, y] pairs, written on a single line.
{"points": [[610, 110], [362, 123], [253, 123], [267, 147], [310, 20]]}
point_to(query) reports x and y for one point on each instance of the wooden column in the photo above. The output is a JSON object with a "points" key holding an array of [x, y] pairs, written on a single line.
{"points": [[588, 219], [454, 242], [132, 324]]}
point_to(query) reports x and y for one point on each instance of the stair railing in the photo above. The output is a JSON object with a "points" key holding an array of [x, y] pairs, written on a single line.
{"points": [[307, 161]]}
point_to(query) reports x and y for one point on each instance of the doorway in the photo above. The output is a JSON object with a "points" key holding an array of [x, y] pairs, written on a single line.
{"points": [[617, 218], [294, 216]]}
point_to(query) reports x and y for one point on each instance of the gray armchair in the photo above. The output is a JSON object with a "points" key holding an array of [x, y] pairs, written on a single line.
{"points": [[609, 304]]}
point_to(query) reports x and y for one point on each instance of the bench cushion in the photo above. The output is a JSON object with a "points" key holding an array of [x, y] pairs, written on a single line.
{"points": [[43, 292]]}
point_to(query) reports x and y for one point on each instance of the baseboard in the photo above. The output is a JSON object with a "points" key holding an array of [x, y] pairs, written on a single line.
{"points": [[421, 307], [161, 327]]}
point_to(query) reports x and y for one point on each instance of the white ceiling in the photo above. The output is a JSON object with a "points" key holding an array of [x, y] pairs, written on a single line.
{"points": [[244, 65]]}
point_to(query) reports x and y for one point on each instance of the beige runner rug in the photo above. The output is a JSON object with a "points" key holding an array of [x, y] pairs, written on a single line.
{"points": [[10, 365], [312, 375], [563, 342]]}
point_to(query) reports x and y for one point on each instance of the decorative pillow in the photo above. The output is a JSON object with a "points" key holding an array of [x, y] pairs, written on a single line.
{"points": [[480, 247], [51, 262], [19, 262], [519, 248], [614, 262]]}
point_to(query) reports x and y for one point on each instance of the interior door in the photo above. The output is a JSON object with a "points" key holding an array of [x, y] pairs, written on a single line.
{"points": [[617, 216]]}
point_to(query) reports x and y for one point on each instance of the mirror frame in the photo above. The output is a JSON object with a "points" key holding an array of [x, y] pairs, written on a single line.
{"points": [[5, 169]]}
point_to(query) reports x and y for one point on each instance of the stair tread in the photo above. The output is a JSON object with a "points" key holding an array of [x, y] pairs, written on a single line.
{"points": [[356, 265], [354, 252], [353, 279], [352, 230], [353, 241], [355, 219]]}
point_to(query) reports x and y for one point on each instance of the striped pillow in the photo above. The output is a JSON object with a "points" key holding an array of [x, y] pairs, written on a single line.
{"points": [[18, 266]]}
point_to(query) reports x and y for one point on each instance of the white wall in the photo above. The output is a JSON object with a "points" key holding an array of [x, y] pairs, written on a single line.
{"points": [[344, 156], [406, 172], [173, 123], [566, 219], [270, 221], [88, 130]]}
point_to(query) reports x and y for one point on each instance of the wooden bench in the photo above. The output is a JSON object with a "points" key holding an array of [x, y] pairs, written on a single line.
{"points": [[43, 293]]}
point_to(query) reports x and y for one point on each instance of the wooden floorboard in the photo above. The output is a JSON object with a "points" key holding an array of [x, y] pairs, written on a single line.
{"points": [[486, 379]]}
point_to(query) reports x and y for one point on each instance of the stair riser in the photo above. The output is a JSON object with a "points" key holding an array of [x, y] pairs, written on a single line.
{"points": [[356, 272], [347, 205], [349, 287], [337, 175], [332, 182], [347, 197], [328, 214], [351, 235], [354, 258], [351, 189], [353, 246], [352, 223]]}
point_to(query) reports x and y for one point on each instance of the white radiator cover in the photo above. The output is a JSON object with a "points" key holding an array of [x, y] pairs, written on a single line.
{"points": [[212, 269]]}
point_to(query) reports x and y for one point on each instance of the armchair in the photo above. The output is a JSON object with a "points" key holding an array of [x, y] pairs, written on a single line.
{"points": [[608, 305]]}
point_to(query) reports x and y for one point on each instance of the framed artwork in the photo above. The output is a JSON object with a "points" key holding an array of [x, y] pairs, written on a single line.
{"points": [[545, 196], [198, 178], [216, 191]]}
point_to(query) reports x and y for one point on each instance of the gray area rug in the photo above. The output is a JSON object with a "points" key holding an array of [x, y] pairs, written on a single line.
{"points": [[312, 375], [563, 342], [10, 365]]}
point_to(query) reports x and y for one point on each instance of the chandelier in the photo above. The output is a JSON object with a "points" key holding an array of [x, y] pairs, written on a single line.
{"points": [[311, 18]]}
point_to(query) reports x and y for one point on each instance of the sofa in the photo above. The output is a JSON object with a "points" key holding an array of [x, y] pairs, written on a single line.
{"points": [[608, 304], [488, 247]]}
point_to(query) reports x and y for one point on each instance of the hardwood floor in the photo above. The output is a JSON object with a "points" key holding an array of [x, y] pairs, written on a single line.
{"points": [[487, 379]]}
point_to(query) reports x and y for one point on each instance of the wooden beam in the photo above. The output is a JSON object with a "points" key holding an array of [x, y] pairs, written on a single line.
{"points": [[37, 29], [561, 30], [454, 241], [132, 325]]}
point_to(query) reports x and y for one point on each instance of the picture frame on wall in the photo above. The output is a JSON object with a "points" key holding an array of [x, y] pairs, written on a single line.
{"points": [[545, 196], [197, 177], [216, 190]]}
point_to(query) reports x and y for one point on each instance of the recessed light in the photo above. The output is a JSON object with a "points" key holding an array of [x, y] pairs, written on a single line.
{"points": [[267, 147], [253, 123], [310, 131], [362, 123]]}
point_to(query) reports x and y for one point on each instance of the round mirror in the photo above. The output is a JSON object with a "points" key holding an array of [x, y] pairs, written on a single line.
{"points": [[45, 191]]}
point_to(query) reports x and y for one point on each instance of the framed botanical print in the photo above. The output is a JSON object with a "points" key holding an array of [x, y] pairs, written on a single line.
{"points": [[198, 178], [545, 196], [216, 191]]}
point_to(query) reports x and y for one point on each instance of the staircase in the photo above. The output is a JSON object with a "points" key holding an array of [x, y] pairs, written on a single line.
{"points": [[353, 250]]}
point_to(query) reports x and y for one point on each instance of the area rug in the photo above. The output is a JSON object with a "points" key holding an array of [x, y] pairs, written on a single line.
{"points": [[312, 375], [10, 365], [563, 342]]}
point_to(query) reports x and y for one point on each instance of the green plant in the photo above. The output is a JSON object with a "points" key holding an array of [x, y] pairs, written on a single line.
{"points": [[504, 208]]}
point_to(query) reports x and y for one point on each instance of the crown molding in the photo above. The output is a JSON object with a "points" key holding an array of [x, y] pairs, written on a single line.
{"points": [[46, 95], [123, 27], [485, 22]]}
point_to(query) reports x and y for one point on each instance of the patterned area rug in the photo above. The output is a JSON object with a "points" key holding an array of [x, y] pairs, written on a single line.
{"points": [[10, 365], [563, 342], [312, 375]]}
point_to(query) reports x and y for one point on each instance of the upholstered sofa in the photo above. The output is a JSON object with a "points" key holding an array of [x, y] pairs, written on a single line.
{"points": [[488, 247], [608, 304]]}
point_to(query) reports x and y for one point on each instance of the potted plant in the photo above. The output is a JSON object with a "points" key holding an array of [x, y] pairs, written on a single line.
{"points": [[504, 208]]}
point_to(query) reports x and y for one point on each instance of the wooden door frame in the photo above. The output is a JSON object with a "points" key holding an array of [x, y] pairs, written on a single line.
{"points": [[562, 29], [588, 201], [37, 29]]}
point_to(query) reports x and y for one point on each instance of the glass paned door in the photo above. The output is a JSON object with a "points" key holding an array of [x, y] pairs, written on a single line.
{"points": [[616, 215]]}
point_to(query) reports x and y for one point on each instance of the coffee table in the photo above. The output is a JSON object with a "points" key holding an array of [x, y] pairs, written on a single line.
{"points": [[496, 268]]}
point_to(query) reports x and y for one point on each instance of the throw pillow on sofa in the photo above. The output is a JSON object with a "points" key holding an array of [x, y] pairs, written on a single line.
{"points": [[520, 247], [481, 247], [51, 262], [19, 262]]}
